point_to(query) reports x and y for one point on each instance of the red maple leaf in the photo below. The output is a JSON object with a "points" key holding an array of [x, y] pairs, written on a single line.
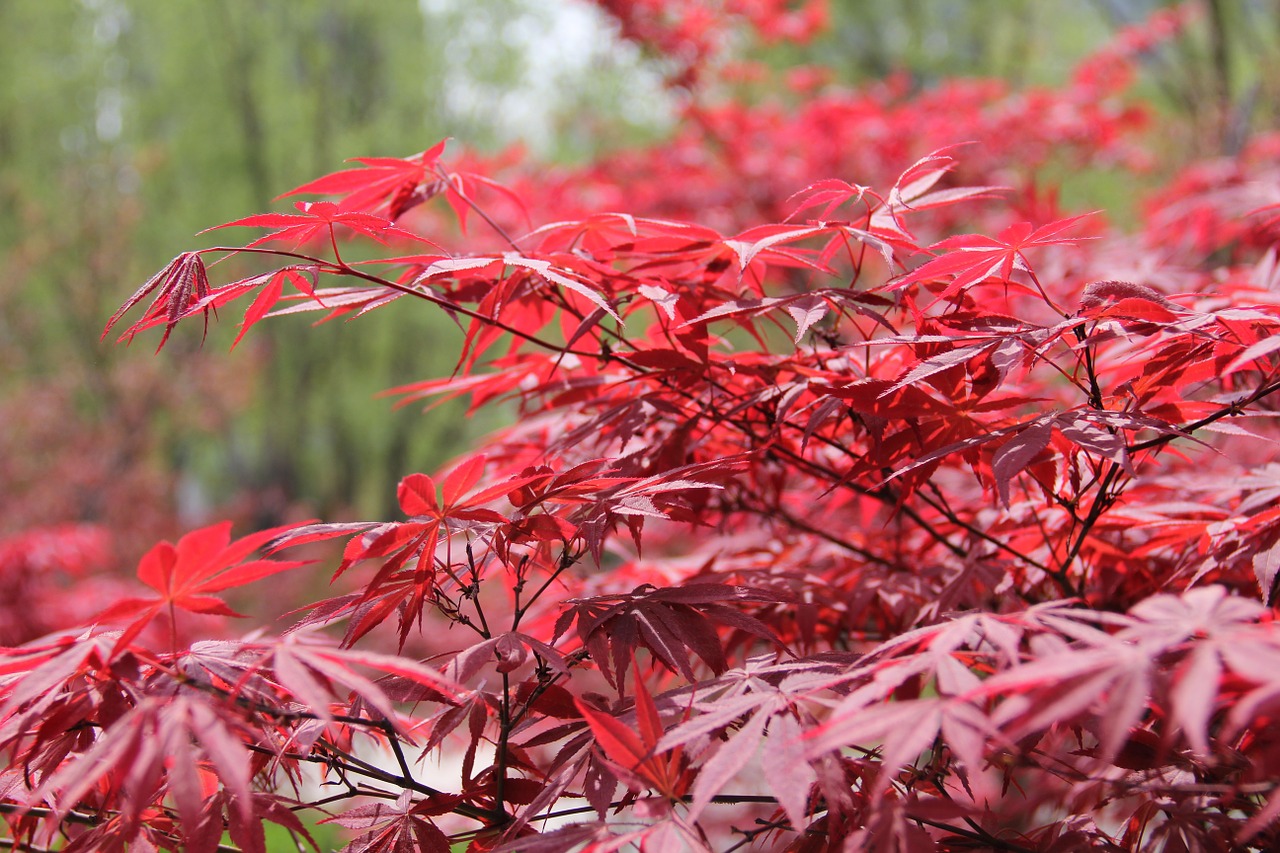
{"points": [[972, 258], [186, 575]]}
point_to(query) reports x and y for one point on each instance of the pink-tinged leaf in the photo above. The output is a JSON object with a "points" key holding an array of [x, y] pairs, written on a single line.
{"points": [[341, 301], [592, 837], [1094, 438], [1015, 454], [953, 195], [884, 247], [936, 364], [42, 682], [599, 785], [730, 309], [588, 323], [1194, 695], [184, 786], [943, 452], [1263, 348], [1266, 564], [919, 178], [563, 278], [339, 671], [1008, 354], [717, 716], [969, 734], [1114, 680], [311, 532], [399, 666], [467, 663], [114, 748], [510, 652], [731, 756], [227, 752], [552, 657], [662, 298], [294, 676], [747, 249], [905, 730], [806, 311], [449, 266], [277, 810], [831, 192], [789, 776]]}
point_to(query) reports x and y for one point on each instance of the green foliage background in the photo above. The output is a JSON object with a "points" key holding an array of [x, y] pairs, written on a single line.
{"points": [[128, 125]]}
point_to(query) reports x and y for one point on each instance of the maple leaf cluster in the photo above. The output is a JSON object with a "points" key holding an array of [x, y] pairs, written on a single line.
{"points": [[883, 513]]}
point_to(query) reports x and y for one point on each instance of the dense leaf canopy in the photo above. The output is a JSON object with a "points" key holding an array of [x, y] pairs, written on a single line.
{"points": [[859, 498]]}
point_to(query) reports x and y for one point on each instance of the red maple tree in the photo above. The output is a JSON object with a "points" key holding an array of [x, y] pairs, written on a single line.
{"points": [[865, 511]]}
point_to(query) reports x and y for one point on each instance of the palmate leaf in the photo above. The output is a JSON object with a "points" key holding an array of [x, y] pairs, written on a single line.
{"points": [[913, 191], [319, 675], [831, 192], [393, 182], [186, 575], [674, 624], [317, 219], [904, 731], [973, 258], [1014, 455], [35, 677], [633, 751], [406, 580], [750, 244], [270, 294], [805, 310]]}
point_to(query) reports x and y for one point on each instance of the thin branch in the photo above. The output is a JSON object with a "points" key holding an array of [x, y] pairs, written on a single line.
{"points": [[69, 817], [480, 211]]}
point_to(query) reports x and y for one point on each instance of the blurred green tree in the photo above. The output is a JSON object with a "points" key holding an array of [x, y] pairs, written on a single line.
{"points": [[202, 111]]}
